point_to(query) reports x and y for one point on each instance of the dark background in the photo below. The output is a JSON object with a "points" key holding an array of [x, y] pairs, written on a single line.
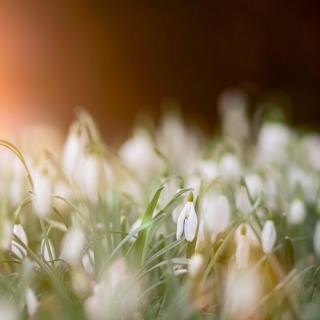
{"points": [[118, 58]]}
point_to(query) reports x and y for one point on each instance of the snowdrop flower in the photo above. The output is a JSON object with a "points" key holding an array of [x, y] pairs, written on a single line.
{"points": [[17, 248], [229, 167], [243, 203], [255, 185], [243, 291], [31, 302], [232, 104], [187, 221], [250, 234], [44, 249], [41, 200], [89, 176], [297, 212], [316, 239], [72, 152], [268, 236], [195, 264], [273, 141], [216, 213], [207, 169], [72, 245], [243, 250], [8, 310]]}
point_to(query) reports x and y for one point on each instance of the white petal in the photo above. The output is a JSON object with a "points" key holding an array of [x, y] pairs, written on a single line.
{"points": [[190, 225], [243, 252], [268, 236], [32, 302], [180, 222], [16, 248], [242, 201]]}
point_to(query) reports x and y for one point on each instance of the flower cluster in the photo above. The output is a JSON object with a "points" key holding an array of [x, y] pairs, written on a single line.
{"points": [[171, 225]]}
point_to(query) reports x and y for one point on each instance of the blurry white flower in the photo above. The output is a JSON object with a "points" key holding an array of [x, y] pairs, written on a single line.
{"points": [[243, 250], [268, 236], [112, 296], [17, 248], [31, 302], [229, 167], [187, 222], [41, 200], [232, 104], [254, 184], [297, 212], [316, 239], [207, 169], [216, 213], [72, 152], [88, 262], [250, 234], [195, 264], [45, 246], [72, 245], [8, 311], [300, 178], [5, 234], [139, 155], [242, 201], [89, 175], [273, 141], [243, 292], [311, 150]]}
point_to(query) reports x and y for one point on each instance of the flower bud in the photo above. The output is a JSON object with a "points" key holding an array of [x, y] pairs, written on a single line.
{"points": [[268, 236]]}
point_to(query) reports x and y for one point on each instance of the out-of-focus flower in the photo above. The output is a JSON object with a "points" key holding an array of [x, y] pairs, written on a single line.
{"points": [[311, 150], [72, 245], [139, 155], [89, 175], [17, 248], [112, 293], [8, 310], [273, 142], [88, 262], [229, 167], [47, 250], [316, 239], [243, 250], [297, 212], [250, 234], [31, 302], [232, 104], [242, 201], [242, 293], [255, 185], [187, 221], [195, 264], [72, 151], [268, 236], [207, 169], [216, 213], [42, 197]]}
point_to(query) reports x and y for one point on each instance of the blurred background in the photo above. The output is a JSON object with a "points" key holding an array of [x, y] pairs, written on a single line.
{"points": [[119, 58]]}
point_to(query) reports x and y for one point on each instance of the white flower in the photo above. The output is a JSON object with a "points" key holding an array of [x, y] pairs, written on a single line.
{"points": [[208, 169], [88, 176], [32, 302], [216, 213], [273, 142], [268, 236], [44, 249], [195, 264], [72, 152], [243, 250], [255, 185], [187, 222], [17, 248], [250, 234], [316, 239], [41, 200], [229, 167], [72, 246], [242, 201], [297, 212]]}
